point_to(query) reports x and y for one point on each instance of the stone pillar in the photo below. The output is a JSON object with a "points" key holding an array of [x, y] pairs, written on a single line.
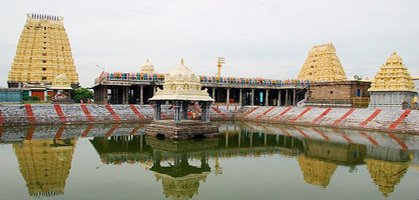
{"points": [[141, 95], [228, 96], [205, 106], [241, 97], [286, 97], [45, 95], [252, 101], [154, 90], [177, 107], [157, 111], [185, 105], [213, 93], [267, 98], [279, 98], [294, 97]]}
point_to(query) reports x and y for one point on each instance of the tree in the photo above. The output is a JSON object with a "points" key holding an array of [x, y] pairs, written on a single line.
{"points": [[82, 94]]}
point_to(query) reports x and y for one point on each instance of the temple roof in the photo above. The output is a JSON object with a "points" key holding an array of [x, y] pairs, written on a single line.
{"points": [[182, 84], [315, 171], [393, 76], [322, 64], [147, 67]]}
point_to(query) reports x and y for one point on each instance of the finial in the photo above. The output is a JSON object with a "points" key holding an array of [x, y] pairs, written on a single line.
{"points": [[181, 61], [148, 60], [394, 53]]}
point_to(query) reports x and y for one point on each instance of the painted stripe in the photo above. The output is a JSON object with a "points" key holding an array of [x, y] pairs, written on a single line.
{"points": [[60, 132], [136, 111], [321, 133], [135, 130], [1, 119], [87, 113], [321, 115], [114, 115], [400, 120], [29, 113], [217, 110], [264, 113], [59, 112], [400, 142], [372, 140], [302, 132], [301, 114], [339, 121], [250, 111], [286, 132], [110, 132], [371, 117], [283, 112], [29, 134], [87, 130], [348, 139]]}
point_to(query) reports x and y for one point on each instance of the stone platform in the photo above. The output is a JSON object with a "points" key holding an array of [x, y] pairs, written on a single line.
{"points": [[187, 129]]}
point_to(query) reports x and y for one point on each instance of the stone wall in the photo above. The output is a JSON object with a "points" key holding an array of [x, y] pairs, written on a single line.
{"points": [[354, 118], [92, 113]]}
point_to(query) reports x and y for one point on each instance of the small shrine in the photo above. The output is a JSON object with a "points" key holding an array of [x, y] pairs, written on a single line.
{"points": [[181, 88], [393, 86], [61, 87]]}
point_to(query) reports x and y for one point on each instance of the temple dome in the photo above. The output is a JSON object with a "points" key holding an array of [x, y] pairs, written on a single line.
{"points": [[393, 76], [147, 67], [182, 84]]}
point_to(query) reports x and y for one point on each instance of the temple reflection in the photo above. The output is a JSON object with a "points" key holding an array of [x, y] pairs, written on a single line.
{"points": [[45, 164], [183, 166]]}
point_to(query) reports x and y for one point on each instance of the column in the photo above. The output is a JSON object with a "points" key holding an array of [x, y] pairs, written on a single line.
{"points": [[154, 90], [185, 105], [240, 96], [141, 95], [205, 117], [157, 111], [45, 95], [294, 97], [228, 96], [177, 111], [279, 98], [104, 95], [286, 97], [267, 98], [252, 101], [213, 93]]}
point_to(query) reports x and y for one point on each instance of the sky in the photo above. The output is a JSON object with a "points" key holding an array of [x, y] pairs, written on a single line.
{"points": [[269, 39]]}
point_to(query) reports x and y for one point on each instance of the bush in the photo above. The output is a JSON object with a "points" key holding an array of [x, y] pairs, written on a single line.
{"points": [[82, 94]]}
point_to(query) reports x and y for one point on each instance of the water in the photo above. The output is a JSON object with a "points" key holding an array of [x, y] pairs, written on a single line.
{"points": [[247, 161]]}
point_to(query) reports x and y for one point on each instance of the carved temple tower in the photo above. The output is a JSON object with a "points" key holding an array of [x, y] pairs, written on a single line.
{"points": [[392, 86], [322, 64], [43, 57]]}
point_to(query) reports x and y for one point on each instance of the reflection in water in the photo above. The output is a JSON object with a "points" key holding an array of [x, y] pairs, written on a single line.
{"points": [[45, 164], [181, 166]]}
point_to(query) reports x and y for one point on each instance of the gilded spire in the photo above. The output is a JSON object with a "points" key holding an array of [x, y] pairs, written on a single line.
{"points": [[322, 64], [393, 76]]}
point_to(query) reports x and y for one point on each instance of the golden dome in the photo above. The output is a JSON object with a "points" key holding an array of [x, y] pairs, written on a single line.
{"points": [[315, 171], [61, 82], [182, 84], [393, 76], [147, 67]]}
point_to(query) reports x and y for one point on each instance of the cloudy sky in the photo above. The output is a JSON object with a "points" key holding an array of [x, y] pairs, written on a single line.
{"points": [[268, 38]]}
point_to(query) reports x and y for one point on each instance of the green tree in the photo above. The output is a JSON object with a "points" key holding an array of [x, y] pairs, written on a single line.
{"points": [[82, 94]]}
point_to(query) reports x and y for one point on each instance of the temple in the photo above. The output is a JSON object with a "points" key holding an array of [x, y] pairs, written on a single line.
{"points": [[45, 165], [322, 64], [392, 86], [139, 87], [43, 62]]}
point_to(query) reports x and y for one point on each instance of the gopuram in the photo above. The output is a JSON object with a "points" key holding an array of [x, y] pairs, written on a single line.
{"points": [[181, 88], [392, 87], [43, 65]]}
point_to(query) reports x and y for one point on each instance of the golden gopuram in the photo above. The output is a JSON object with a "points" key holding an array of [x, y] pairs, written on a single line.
{"points": [[43, 62], [322, 64], [393, 86]]}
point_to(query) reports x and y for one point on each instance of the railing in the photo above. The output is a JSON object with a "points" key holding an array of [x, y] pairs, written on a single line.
{"points": [[115, 76]]}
